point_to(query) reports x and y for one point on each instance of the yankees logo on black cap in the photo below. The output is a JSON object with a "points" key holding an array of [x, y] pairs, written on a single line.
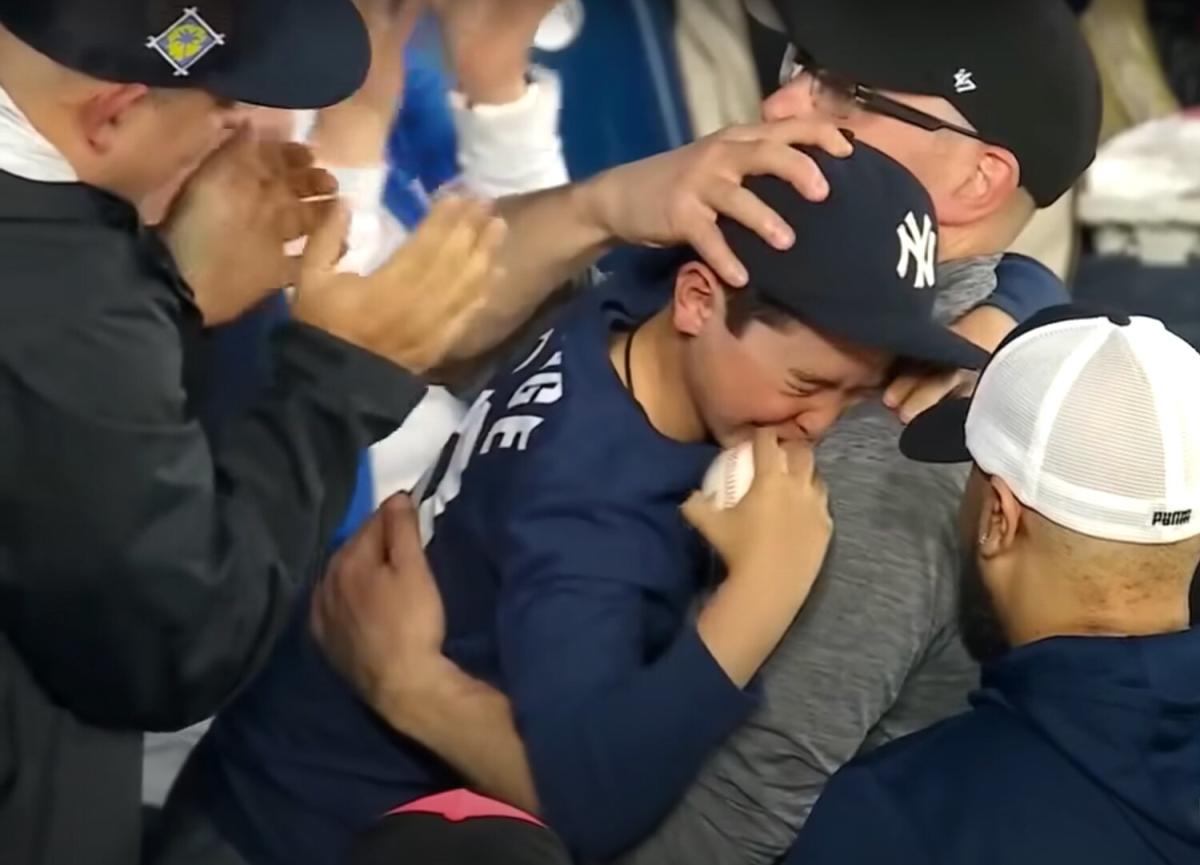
{"points": [[280, 53], [864, 265]]}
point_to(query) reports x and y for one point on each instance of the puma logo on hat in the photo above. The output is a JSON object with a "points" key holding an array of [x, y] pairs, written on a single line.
{"points": [[1168, 519]]}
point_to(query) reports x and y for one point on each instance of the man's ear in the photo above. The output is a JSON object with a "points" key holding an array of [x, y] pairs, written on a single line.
{"points": [[104, 112], [994, 177], [699, 299], [999, 519]]}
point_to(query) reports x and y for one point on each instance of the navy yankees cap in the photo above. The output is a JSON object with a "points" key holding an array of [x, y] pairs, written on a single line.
{"points": [[278, 53], [864, 265], [1020, 71]]}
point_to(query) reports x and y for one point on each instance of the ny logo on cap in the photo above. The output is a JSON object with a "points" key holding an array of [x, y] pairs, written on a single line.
{"points": [[186, 41], [964, 81], [918, 242]]}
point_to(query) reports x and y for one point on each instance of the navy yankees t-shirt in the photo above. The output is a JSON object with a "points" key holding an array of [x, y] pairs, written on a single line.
{"points": [[553, 528]]}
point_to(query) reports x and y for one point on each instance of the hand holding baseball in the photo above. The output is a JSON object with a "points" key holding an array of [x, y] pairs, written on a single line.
{"points": [[779, 530], [773, 541]]}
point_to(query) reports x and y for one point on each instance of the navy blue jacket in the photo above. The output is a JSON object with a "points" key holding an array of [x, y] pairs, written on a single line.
{"points": [[1078, 751]]}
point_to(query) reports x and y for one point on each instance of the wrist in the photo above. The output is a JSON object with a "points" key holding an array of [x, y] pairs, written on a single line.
{"points": [[494, 87], [741, 625], [986, 326], [597, 201], [491, 71], [414, 700], [351, 136]]}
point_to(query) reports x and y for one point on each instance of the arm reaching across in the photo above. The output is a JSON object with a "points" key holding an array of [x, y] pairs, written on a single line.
{"points": [[668, 199]]}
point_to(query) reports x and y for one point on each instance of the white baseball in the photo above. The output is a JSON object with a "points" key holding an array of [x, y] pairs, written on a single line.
{"points": [[728, 479]]}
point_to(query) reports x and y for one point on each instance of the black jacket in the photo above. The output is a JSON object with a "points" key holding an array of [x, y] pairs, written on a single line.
{"points": [[143, 578]]}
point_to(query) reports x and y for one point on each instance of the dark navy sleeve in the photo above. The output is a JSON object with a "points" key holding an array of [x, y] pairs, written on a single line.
{"points": [[614, 737], [857, 822], [1025, 287]]}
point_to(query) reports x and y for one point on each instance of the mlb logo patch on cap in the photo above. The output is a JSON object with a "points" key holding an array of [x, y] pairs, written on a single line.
{"points": [[186, 41]]}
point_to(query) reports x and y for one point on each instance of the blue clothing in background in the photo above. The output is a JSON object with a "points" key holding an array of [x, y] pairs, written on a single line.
{"points": [[1077, 750], [567, 574], [1024, 287], [423, 148], [622, 92]]}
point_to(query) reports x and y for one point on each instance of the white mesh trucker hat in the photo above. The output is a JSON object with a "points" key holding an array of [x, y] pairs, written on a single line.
{"points": [[1093, 420]]}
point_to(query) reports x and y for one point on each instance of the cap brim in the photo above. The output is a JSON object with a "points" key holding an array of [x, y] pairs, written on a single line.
{"points": [[923, 341], [929, 342], [939, 435], [304, 55]]}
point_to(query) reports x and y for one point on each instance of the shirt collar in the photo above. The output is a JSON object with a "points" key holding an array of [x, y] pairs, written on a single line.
{"points": [[27, 153]]}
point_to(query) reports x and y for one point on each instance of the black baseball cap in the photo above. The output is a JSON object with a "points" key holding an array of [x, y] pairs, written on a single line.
{"points": [[864, 265], [1020, 71], [277, 53], [938, 435]]}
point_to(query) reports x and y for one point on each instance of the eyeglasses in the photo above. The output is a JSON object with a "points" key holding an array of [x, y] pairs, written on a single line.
{"points": [[841, 98]]}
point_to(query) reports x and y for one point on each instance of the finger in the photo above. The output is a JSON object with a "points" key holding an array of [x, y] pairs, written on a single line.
{"points": [[801, 461], [700, 513], [427, 242], [928, 393], [301, 219], [468, 289], [816, 133], [443, 214], [794, 130], [478, 267], [495, 233], [311, 182], [366, 552], [324, 248], [289, 222], [702, 233], [900, 389], [402, 532], [291, 271], [768, 455], [741, 205], [326, 594], [785, 162], [295, 157], [457, 244], [318, 615]]}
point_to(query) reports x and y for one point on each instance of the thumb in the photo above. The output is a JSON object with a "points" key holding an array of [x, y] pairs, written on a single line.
{"points": [[402, 534], [324, 248], [700, 512], [236, 153]]}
